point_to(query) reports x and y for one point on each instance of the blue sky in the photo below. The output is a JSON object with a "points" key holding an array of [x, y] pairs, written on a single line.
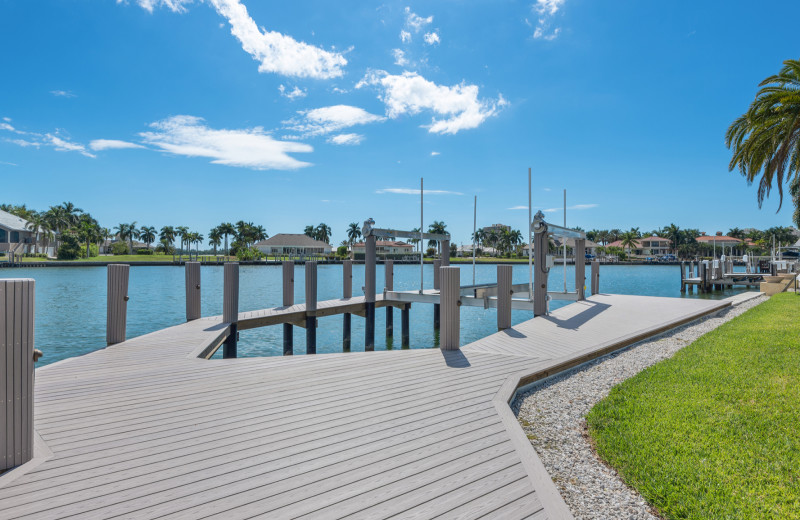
{"points": [[294, 113]]}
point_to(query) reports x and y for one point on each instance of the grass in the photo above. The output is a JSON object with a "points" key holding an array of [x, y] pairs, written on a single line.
{"points": [[714, 432]]}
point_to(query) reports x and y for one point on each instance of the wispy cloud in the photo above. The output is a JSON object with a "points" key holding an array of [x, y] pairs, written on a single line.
{"points": [[400, 57], [177, 6], [111, 144], [291, 95], [546, 11], [63, 93], [325, 120], [64, 145], [405, 36], [416, 22], [413, 191], [410, 93], [251, 148], [434, 154], [55, 140], [346, 139], [518, 207], [8, 163], [432, 38], [575, 207]]}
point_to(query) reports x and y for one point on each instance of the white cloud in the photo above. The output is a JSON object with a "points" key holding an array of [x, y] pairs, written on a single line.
{"points": [[325, 120], [415, 191], [8, 163], [24, 143], [111, 144], [434, 154], [6, 126], [575, 207], [400, 57], [176, 6], [410, 93], [546, 9], [7, 119], [278, 52], [432, 38], [63, 93], [63, 145], [346, 139], [249, 148], [295, 93], [415, 21], [37, 140], [405, 36]]}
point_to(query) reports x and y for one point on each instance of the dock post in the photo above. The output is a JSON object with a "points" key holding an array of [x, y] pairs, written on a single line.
{"points": [[451, 289], [540, 271], [16, 371], [404, 318], [504, 297], [230, 308], [369, 293], [445, 256], [192, 290], [288, 300], [388, 266], [580, 268], [437, 285], [311, 307], [117, 303], [595, 282], [347, 292], [701, 274], [683, 277]]}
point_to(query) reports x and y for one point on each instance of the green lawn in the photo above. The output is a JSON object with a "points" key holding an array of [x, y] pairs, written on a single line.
{"points": [[714, 432]]}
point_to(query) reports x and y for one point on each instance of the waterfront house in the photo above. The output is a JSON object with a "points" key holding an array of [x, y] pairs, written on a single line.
{"points": [[385, 249], [15, 236], [647, 246], [723, 243], [290, 244]]}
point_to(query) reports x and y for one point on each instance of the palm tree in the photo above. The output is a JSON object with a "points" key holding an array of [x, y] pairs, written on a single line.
{"points": [[353, 233], [167, 236], [227, 229], [215, 238], [629, 240], [794, 190], [182, 232], [259, 233], [148, 235], [766, 138], [36, 223], [515, 237], [614, 235], [414, 241], [129, 232], [673, 233], [479, 237], [196, 239], [323, 233], [310, 231]]}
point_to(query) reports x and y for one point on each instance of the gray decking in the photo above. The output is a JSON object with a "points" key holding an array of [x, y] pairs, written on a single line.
{"points": [[144, 429]]}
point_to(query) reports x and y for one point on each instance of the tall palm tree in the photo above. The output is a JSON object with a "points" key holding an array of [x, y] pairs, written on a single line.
{"points": [[129, 232], [674, 234], [414, 241], [182, 232], [353, 233], [215, 238], [72, 213], [310, 231], [36, 223], [227, 229], [479, 237], [614, 235], [766, 138], [629, 240], [440, 228], [323, 233], [167, 236], [148, 235]]}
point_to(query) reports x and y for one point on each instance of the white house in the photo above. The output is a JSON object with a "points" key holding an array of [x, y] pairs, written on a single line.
{"points": [[15, 235], [385, 247], [293, 244]]}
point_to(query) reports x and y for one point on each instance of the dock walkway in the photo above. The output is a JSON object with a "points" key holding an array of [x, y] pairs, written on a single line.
{"points": [[146, 429]]}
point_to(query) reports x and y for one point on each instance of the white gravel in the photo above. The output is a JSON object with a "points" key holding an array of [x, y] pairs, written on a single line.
{"points": [[553, 416]]}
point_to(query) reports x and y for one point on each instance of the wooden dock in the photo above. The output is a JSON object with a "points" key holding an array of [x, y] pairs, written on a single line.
{"points": [[148, 429]]}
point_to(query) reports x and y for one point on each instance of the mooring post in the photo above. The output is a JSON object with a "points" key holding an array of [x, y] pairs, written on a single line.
{"points": [[311, 307], [347, 292], [192, 290], [369, 293], [683, 277], [701, 272], [449, 338], [580, 268], [540, 271], [16, 371], [288, 300], [504, 297], [445, 256], [388, 266], [437, 285], [230, 308], [117, 303], [595, 274], [404, 318]]}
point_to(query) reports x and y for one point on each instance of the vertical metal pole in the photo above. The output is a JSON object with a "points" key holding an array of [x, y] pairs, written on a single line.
{"points": [[437, 264], [474, 231], [311, 307], [504, 274], [117, 303], [388, 267], [595, 277], [580, 268], [564, 246], [192, 290], [421, 244], [451, 288], [369, 293], [530, 238], [540, 273], [230, 308], [404, 318], [288, 300], [347, 284]]}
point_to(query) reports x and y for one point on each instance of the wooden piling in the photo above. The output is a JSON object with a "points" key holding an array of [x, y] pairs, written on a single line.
{"points": [[437, 285], [504, 292], [288, 300], [595, 274], [404, 318], [230, 308], [445, 256], [192, 290], [540, 273], [701, 274], [369, 294], [311, 307], [117, 303], [683, 277], [580, 268], [388, 267], [450, 278], [17, 305], [347, 292]]}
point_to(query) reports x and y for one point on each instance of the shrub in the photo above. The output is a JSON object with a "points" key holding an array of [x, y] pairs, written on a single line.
{"points": [[165, 249], [341, 251], [119, 248], [430, 251], [144, 251], [93, 250], [250, 254], [70, 247]]}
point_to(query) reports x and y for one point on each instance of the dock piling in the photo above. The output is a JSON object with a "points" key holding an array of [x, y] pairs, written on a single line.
{"points": [[16, 369], [288, 300], [311, 307], [595, 277], [117, 303], [192, 290], [683, 277], [437, 285], [404, 318], [347, 292], [451, 288], [230, 308], [369, 293], [540, 271], [504, 297], [580, 268], [388, 267]]}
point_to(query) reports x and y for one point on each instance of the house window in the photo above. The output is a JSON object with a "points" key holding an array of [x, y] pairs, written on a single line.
{"points": [[15, 237], [3, 236]]}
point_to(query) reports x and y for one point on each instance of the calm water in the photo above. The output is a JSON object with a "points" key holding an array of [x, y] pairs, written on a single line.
{"points": [[71, 303]]}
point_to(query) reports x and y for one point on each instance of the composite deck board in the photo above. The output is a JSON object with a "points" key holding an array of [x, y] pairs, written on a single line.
{"points": [[145, 429]]}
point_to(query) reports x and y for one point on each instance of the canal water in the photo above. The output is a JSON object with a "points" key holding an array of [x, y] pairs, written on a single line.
{"points": [[71, 303]]}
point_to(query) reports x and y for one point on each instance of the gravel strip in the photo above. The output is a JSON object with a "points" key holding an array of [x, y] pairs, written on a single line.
{"points": [[553, 416]]}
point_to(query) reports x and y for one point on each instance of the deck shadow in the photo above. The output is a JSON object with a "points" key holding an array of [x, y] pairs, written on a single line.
{"points": [[455, 359], [574, 322]]}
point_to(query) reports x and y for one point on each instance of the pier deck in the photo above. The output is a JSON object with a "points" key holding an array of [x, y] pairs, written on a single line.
{"points": [[146, 429]]}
